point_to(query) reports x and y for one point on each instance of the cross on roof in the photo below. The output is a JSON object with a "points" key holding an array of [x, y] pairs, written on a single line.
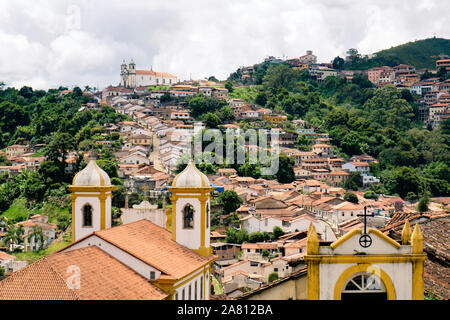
{"points": [[365, 215], [365, 240]]}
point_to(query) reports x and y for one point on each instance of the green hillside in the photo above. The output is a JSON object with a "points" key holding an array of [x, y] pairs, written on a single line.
{"points": [[421, 54]]}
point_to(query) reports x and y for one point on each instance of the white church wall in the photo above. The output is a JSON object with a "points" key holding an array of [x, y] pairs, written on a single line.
{"points": [[156, 216], [81, 231], [201, 286], [108, 218], [188, 237], [379, 246]]}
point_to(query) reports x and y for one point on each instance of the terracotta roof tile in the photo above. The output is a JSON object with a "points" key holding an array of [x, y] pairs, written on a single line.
{"points": [[154, 245], [109, 280]]}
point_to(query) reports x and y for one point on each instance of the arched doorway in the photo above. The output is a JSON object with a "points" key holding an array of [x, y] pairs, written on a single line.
{"points": [[364, 286]]}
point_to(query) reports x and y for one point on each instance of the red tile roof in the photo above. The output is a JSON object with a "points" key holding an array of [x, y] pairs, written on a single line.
{"points": [[48, 278]]}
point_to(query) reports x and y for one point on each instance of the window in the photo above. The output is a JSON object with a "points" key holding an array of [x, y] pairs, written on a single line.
{"points": [[189, 293], [176, 296], [364, 286], [275, 269], [201, 288], [195, 291], [182, 295], [87, 215], [152, 275], [188, 217], [207, 215]]}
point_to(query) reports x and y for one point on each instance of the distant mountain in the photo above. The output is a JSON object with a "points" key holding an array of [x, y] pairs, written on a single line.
{"points": [[421, 54]]}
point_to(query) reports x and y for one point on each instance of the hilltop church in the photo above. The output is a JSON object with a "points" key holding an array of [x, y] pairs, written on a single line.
{"points": [[135, 261], [132, 78]]}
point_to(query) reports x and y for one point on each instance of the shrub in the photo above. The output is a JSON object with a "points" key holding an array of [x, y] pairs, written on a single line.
{"points": [[273, 276]]}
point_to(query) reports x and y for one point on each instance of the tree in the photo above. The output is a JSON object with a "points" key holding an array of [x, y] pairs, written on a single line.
{"points": [[165, 98], [422, 205], [261, 99], [338, 63], [279, 77], [109, 166], [229, 86], [77, 92], [13, 235], [56, 151], [229, 200], [255, 237], [273, 276], [236, 237], [285, 173], [353, 55], [277, 232], [370, 195], [303, 143], [353, 181], [351, 197], [37, 236]]}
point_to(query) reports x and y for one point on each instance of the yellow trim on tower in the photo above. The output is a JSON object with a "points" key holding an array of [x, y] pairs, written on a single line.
{"points": [[417, 276], [417, 240], [102, 198], [312, 289], [377, 258], [312, 242], [73, 188], [202, 190], [344, 238], [384, 237], [73, 197], [97, 168], [353, 232], [417, 281], [344, 277], [406, 233]]}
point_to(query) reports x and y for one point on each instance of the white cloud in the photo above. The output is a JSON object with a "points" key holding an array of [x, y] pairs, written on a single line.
{"points": [[51, 43]]}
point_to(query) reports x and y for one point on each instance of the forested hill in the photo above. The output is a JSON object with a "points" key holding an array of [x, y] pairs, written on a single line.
{"points": [[53, 118], [420, 54]]}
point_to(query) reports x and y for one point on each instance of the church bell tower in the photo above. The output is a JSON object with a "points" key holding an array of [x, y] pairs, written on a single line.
{"points": [[91, 200], [132, 74], [123, 75], [191, 201]]}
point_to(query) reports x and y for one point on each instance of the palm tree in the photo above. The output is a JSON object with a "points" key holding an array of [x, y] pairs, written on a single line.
{"points": [[36, 235], [13, 235]]}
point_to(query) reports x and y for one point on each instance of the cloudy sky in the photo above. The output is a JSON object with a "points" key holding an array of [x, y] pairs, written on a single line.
{"points": [[48, 43]]}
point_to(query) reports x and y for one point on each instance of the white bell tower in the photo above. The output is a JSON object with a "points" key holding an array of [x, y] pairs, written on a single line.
{"points": [[91, 200], [191, 218]]}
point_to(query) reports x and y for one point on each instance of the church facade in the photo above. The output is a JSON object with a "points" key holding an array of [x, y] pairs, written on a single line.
{"points": [[366, 266], [132, 78], [135, 261]]}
